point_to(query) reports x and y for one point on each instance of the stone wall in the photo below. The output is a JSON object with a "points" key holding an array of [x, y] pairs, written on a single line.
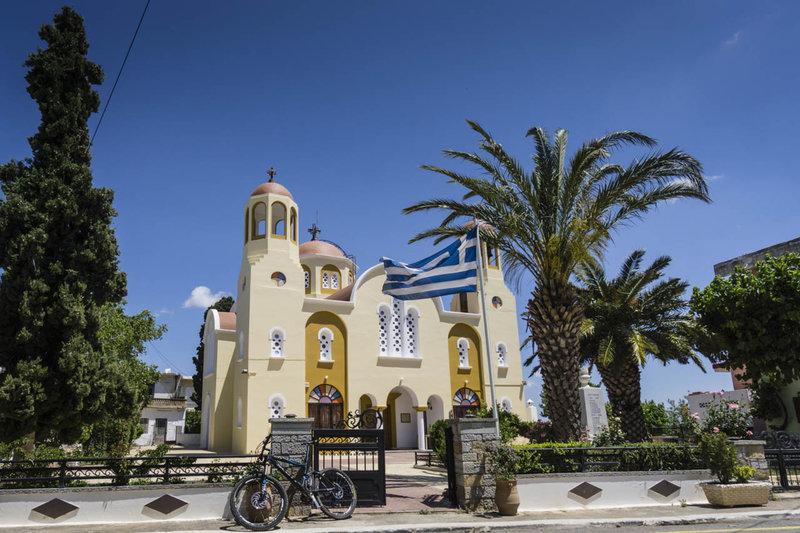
{"points": [[474, 474], [290, 439], [751, 452]]}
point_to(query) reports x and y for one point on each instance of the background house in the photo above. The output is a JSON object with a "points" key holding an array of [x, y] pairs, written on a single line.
{"points": [[164, 418]]}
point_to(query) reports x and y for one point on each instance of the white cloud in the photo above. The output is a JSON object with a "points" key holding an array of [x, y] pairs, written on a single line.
{"points": [[202, 297], [733, 39], [163, 312], [714, 177]]}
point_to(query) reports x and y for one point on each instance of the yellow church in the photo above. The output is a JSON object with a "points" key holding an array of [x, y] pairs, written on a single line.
{"points": [[312, 336]]}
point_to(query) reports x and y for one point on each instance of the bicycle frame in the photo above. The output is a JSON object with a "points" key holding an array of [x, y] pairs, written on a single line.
{"points": [[274, 461]]}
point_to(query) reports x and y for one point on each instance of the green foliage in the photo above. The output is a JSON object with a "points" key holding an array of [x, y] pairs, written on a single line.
{"points": [[511, 425], [655, 415], [437, 440], [719, 456], [192, 424], [683, 423], [224, 304], [567, 457], [123, 339], [751, 320], [58, 252], [610, 435], [549, 219], [743, 473], [727, 417]]}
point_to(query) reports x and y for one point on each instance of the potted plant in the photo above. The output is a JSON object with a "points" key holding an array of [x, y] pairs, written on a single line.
{"points": [[506, 462], [734, 486]]}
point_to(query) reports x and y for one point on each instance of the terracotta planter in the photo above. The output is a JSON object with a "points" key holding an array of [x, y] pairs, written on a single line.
{"points": [[730, 494], [506, 496]]}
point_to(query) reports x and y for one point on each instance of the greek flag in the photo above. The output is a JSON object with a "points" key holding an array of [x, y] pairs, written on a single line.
{"points": [[448, 271]]}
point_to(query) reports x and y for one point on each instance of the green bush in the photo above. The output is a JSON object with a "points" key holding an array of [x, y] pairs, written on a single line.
{"points": [[436, 439], [192, 424], [720, 457], [566, 457], [727, 417], [655, 416], [511, 425]]}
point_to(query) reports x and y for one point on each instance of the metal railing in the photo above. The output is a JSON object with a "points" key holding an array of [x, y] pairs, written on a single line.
{"points": [[82, 471]]}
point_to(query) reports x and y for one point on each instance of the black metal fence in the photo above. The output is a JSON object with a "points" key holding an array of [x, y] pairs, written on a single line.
{"points": [[72, 472], [609, 459]]}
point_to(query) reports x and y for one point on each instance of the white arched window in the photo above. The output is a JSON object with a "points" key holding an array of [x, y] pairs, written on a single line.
{"points": [[396, 328], [277, 404], [334, 281], [326, 280], [411, 333], [325, 337], [241, 345], [505, 405], [383, 329], [307, 276], [501, 354], [463, 352], [276, 339], [239, 412]]}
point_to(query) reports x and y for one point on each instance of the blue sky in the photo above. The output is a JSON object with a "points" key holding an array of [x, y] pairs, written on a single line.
{"points": [[346, 100]]}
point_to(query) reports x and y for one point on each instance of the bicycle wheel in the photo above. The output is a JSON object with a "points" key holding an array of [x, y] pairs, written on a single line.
{"points": [[255, 508], [335, 493]]}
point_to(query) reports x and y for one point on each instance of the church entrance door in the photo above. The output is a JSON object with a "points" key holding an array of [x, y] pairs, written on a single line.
{"points": [[325, 415]]}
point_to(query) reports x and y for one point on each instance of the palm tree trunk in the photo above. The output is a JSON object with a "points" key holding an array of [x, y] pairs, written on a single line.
{"points": [[554, 320], [624, 388]]}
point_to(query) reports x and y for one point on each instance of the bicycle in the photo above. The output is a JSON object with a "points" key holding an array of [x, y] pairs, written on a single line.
{"points": [[259, 502]]}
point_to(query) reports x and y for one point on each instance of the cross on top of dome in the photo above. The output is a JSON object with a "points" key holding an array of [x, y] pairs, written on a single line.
{"points": [[271, 173], [314, 230]]}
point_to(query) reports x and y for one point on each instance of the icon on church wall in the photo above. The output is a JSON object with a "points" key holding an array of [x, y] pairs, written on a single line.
{"points": [[278, 278], [405, 418], [497, 302]]}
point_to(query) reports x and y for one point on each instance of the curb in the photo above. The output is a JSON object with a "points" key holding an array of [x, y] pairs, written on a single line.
{"points": [[500, 525]]}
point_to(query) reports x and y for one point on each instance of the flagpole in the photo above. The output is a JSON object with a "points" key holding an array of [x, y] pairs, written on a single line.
{"points": [[486, 330]]}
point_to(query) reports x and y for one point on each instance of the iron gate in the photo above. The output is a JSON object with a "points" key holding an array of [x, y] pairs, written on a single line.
{"points": [[450, 464], [784, 467], [357, 447]]}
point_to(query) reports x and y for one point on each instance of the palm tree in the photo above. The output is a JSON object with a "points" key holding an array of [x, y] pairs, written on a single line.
{"points": [[627, 319], [548, 220]]}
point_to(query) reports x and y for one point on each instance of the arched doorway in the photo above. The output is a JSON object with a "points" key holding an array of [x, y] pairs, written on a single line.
{"points": [[325, 406], [400, 419], [433, 413]]}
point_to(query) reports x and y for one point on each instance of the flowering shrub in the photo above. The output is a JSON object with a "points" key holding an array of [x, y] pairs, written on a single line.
{"points": [[541, 432], [720, 457], [505, 459], [611, 435], [730, 418]]}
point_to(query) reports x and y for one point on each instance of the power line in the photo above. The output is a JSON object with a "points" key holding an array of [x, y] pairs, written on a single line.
{"points": [[164, 357], [105, 107]]}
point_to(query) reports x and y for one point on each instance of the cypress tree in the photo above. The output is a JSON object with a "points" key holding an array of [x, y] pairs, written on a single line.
{"points": [[58, 252]]}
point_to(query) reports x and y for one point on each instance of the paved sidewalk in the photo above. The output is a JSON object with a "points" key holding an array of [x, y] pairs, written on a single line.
{"points": [[398, 522]]}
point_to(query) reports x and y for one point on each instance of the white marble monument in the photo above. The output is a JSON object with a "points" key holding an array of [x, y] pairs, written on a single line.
{"points": [[593, 405]]}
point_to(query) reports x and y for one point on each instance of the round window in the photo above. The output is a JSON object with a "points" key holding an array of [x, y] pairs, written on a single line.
{"points": [[497, 302], [278, 278]]}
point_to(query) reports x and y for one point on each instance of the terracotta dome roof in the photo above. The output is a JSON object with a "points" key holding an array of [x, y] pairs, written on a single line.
{"points": [[320, 248], [271, 187]]}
